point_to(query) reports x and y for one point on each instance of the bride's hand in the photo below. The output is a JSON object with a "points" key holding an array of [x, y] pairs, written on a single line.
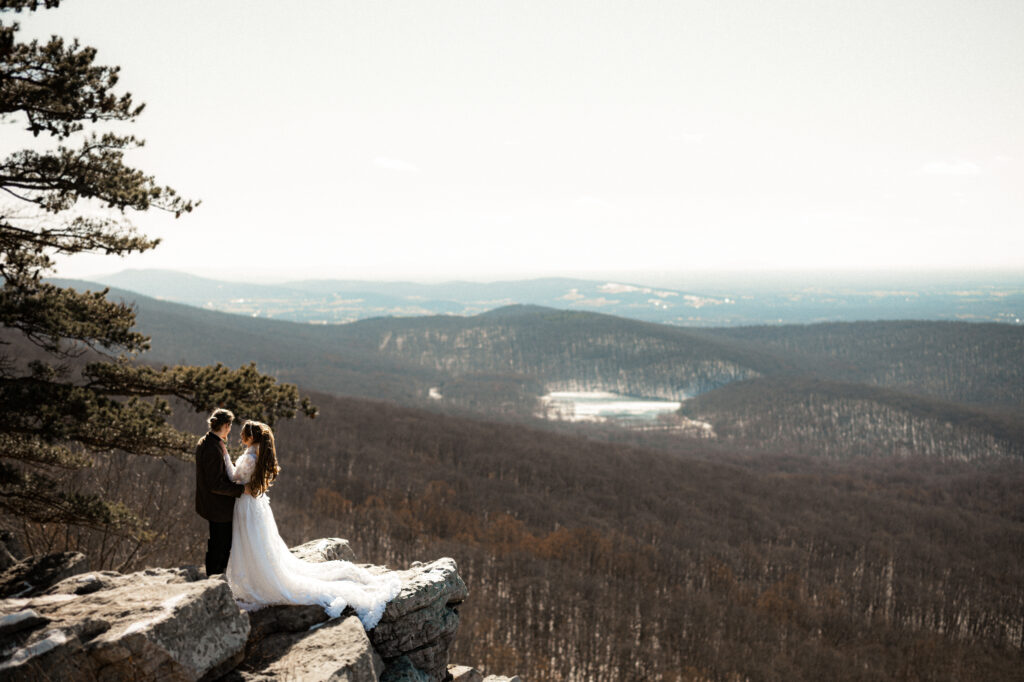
{"points": [[248, 490]]}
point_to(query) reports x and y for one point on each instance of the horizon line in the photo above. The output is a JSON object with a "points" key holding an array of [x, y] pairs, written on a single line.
{"points": [[480, 278]]}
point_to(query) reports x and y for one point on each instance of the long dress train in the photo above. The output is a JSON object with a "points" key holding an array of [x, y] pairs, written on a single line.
{"points": [[262, 571]]}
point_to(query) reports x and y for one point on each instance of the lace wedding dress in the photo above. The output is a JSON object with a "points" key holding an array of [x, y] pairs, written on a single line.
{"points": [[261, 571]]}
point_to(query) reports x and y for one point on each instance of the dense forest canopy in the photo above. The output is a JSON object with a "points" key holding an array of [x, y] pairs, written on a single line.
{"points": [[603, 561]]}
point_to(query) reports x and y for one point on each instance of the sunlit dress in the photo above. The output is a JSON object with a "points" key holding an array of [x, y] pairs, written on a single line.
{"points": [[262, 571]]}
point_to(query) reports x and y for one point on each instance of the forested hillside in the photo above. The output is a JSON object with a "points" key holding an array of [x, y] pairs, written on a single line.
{"points": [[399, 358], [835, 530], [596, 561], [957, 361], [936, 389], [822, 418], [513, 352], [568, 350], [310, 355], [600, 561], [518, 346]]}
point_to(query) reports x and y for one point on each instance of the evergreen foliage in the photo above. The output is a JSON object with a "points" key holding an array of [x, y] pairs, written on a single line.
{"points": [[81, 392]]}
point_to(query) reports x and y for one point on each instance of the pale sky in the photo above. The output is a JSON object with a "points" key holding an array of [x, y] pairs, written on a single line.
{"points": [[480, 139]]}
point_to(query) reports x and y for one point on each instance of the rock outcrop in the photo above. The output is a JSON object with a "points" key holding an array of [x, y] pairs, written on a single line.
{"points": [[413, 636], [172, 624], [94, 581], [145, 626], [338, 650], [422, 620], [325, 549]]}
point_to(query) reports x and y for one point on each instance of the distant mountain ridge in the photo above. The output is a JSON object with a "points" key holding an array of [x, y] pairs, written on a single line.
{"points": [[336, 301], [514, 351], [339, 301], [756, 385]]}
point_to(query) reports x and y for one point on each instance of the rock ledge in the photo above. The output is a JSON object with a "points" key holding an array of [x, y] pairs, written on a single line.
{"points": [[173, 624]]}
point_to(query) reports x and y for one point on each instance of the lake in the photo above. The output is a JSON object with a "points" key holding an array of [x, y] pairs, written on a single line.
{"points": [[603, 406]]}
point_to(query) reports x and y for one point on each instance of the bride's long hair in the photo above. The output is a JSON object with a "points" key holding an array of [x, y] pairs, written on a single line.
{"points": [[266, 456]]}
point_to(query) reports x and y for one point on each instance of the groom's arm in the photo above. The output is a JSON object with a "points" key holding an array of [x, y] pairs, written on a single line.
{"points": [[211, 464]]}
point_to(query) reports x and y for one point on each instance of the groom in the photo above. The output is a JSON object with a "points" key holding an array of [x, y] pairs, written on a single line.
{"points": [[215, 492]]}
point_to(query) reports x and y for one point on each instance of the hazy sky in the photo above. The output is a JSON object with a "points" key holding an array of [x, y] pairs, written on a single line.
{"points": [[481, 139]]}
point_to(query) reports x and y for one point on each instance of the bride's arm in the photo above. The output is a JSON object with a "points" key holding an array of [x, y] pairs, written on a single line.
{"points": [[243, 470]]}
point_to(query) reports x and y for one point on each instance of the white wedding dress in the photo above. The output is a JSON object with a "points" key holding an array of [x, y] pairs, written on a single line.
{"points": [[261, 571]]}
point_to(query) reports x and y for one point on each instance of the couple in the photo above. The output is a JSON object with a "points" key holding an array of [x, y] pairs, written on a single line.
{"points": [[244, 542]]}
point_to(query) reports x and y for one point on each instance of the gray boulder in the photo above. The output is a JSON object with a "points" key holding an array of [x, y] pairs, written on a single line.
{"points": [[338, 650], [94, 581], [272, 620], [500, 678], [31, 576], [422, 620], [413, 636], [325, 549], [144, 626], [19, 621]]}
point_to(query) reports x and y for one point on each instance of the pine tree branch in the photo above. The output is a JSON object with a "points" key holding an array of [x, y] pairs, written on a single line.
{"points": [[51, 317], [58, 412], [79, 234], [30, 5], [56, 180], [244, 391], [33, 450], [58, 87]]}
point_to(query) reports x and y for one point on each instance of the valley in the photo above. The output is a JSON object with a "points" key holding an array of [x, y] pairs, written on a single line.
{"points": [[831, 501], [901, 388]]}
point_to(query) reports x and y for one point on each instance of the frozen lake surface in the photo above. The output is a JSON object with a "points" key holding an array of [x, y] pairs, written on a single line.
{"points": [[601, 406]]}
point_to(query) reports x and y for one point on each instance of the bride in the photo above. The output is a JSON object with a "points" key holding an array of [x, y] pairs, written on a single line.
{"points": [[261, 571]]}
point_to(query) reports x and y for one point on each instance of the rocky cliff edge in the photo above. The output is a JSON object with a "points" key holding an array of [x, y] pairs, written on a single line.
{"points": [[59, 622]]}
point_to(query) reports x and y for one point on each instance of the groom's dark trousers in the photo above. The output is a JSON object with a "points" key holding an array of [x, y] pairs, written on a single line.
{"points": [[218, 548], [215, 500]]}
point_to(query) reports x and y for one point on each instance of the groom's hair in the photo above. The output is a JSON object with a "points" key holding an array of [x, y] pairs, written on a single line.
{"points": [[219, 418]]}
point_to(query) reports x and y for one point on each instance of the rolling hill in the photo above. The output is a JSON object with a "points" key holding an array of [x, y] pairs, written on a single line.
{"points": [[826, 418], [402, 358], [942, 389], [835, 529], [979, 364]]}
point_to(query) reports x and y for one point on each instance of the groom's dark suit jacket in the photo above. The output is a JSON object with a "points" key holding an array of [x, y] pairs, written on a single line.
{"points": [[215, 492]]}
